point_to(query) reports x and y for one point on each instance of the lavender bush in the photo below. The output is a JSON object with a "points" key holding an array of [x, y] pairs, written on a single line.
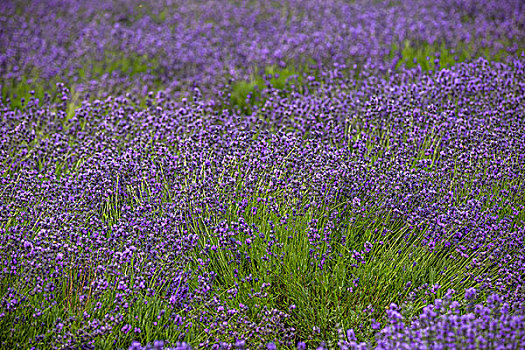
{"points": [[366, 195]]}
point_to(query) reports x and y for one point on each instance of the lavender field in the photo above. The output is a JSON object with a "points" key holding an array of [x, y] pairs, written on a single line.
{"points": [[252, 174]]}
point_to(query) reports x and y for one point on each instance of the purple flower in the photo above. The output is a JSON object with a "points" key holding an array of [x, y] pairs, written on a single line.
{"points": [[125, 329], [135, 345], [375, 325], [470, 293]]}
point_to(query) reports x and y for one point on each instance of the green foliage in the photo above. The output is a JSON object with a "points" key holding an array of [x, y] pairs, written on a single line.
{"points": [[247, 94], [19, 91], [118, 62], [438, 55]]}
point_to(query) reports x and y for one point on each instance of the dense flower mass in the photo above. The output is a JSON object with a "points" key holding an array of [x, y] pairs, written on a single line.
{"points": [[439, 326], [360, 205], [178, 44], [197, 216]]}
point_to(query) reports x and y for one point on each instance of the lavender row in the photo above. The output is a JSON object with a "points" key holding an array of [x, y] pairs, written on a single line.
{"points": [[180, 223], [113, 47]]}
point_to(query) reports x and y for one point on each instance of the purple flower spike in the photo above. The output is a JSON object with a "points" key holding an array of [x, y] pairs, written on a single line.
{"points": [[470, 293], [125, 329]]}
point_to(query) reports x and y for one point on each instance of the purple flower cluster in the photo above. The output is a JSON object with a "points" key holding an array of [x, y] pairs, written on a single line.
{"points": [[441, 326], [179, 44]]}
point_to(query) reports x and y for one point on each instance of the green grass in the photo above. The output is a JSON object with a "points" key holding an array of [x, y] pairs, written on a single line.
{"points": [[127, 64], [424, 55], [19, 91], [247, 94]]}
